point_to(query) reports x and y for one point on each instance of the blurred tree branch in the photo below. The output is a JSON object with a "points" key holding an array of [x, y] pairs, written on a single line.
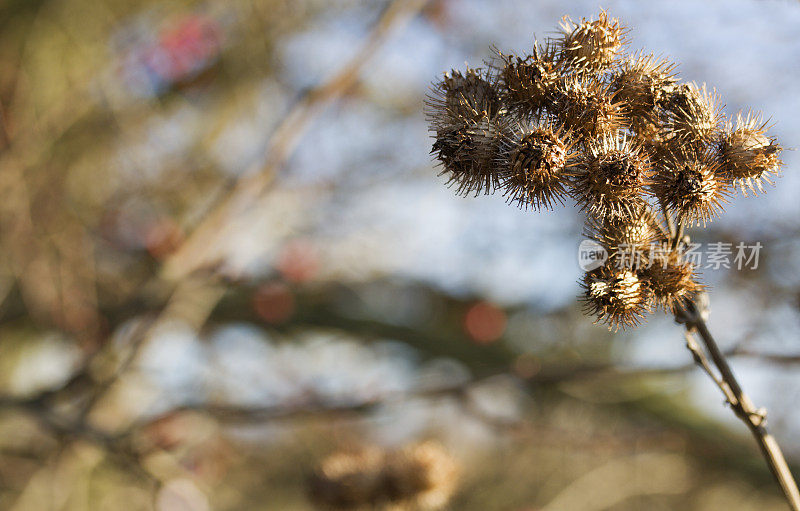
{"points": [[197, 251]]}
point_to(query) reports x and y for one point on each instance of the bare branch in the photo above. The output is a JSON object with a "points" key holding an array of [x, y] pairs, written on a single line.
{"points": [[755, 419], [196, 250]]}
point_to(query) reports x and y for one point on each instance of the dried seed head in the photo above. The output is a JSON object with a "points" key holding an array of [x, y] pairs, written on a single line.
{"points": [[423, 476], [615, 296], [748, 156], [457, 96], [513, 127], [654, 137], [693, 113], [587, 108], [533, 166], [642, 82], [670, 280], [463, 112], [691, 186], [468, 150], [591, 45], [667, 144], [528, 84], [618, 235], [609, 178], [348, 480]]}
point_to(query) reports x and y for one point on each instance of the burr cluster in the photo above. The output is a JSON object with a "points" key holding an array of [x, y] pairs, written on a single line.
{"points": [[581, 119]]}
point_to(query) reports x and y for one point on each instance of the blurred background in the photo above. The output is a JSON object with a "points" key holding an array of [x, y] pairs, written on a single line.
{"points": [[228, 269]]}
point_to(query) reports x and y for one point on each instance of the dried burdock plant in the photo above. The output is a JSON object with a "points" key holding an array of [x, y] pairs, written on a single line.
{"points": [[592, 45], [465, 96], [348, 479], [469, 128], [527, 83], [641, 83], [615, 295], [609, 177], [642, 154], [691, 186], [748, 156], [693, 116], [587, 108], [672, 282], [533, 163], [624, 238], [420, 476]]}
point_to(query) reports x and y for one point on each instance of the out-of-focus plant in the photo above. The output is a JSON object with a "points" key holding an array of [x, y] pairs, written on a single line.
{"points": [[421, 476]]}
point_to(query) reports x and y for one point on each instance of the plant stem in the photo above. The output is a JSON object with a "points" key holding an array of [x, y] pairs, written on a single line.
{"points": [[755, 419], [678, 234], [667, 219]]}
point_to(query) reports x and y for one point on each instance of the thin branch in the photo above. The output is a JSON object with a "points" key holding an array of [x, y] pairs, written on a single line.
{"points": [[195, 251], [138, 339], [755, 419], [667, 219], [678, 234], [773, 358], [701, 360], [117, 447]]}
